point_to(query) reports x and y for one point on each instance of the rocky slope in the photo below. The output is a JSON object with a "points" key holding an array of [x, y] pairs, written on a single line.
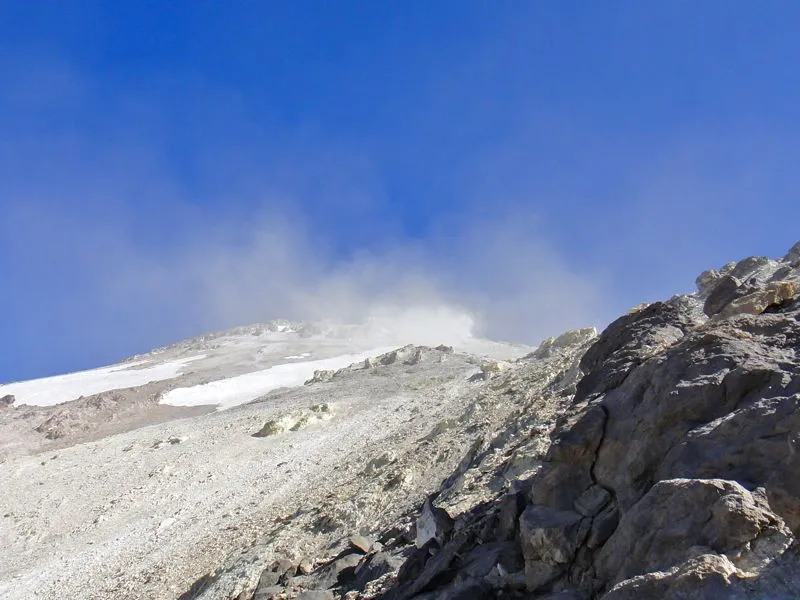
{"points": [[657, 460], [660, 460], [114, 508]]}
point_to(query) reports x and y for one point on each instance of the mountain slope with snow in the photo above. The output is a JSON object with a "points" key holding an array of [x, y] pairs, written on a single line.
{"points": [[96, 516]]}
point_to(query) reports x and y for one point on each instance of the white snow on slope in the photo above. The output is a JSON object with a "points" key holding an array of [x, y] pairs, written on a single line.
{"points": [[62, 388], [227, 393]]}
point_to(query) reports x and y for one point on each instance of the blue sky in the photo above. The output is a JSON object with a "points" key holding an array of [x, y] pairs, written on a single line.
{"points": [[167, 168]]}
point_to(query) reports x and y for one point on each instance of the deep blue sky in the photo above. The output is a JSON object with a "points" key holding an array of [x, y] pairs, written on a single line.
{"points": [[632, 144]]}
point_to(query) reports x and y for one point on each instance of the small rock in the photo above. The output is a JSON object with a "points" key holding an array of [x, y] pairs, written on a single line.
{"points": [[433, 524], [275, 572], [320, 376], [271, 427], [360, 543], [305, 566], [376, 566]]}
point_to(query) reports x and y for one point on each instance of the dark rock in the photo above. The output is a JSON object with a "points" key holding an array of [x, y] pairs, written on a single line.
{"points": [[709, 375], [403, 532], [6, 401], [726, 289], [269, 592], [783, 486], [551, 535], [374, 566], [502, 523], [603, 525], [592, 501], [463, 590], [438, 569], [415, 563], [272, 574], [567, 470], [629, 341], [483, 558], [340, 571]]}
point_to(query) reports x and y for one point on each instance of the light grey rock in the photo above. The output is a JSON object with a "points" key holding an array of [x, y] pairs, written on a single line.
{"points": [[321, 376], [706, 282], [550, 535], [434, 523], [752, 266], [360, 543], [568, 339], [705, 577], [676, 517], [774, 294]]}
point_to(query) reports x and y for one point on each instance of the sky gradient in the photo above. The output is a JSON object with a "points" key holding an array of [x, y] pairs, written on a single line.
{"points": [[167, 168]]}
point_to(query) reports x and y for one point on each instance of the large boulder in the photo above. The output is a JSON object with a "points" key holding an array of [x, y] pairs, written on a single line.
{"points": [[679, 519]]}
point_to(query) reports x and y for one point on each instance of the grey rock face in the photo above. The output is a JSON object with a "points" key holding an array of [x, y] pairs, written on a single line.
{"points": [[725, 289], [550, 539], [571, 338], [706, 282], [706, 577], [629, 341], [793, 255], [680, 518]]}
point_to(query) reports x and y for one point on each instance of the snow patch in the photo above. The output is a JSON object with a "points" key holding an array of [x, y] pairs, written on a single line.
{"points": [[49, 391], [296, 356], [227, 393]]}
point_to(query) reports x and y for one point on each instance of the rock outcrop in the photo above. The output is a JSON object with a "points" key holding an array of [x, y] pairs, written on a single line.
{"points": [[659, 460]]}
